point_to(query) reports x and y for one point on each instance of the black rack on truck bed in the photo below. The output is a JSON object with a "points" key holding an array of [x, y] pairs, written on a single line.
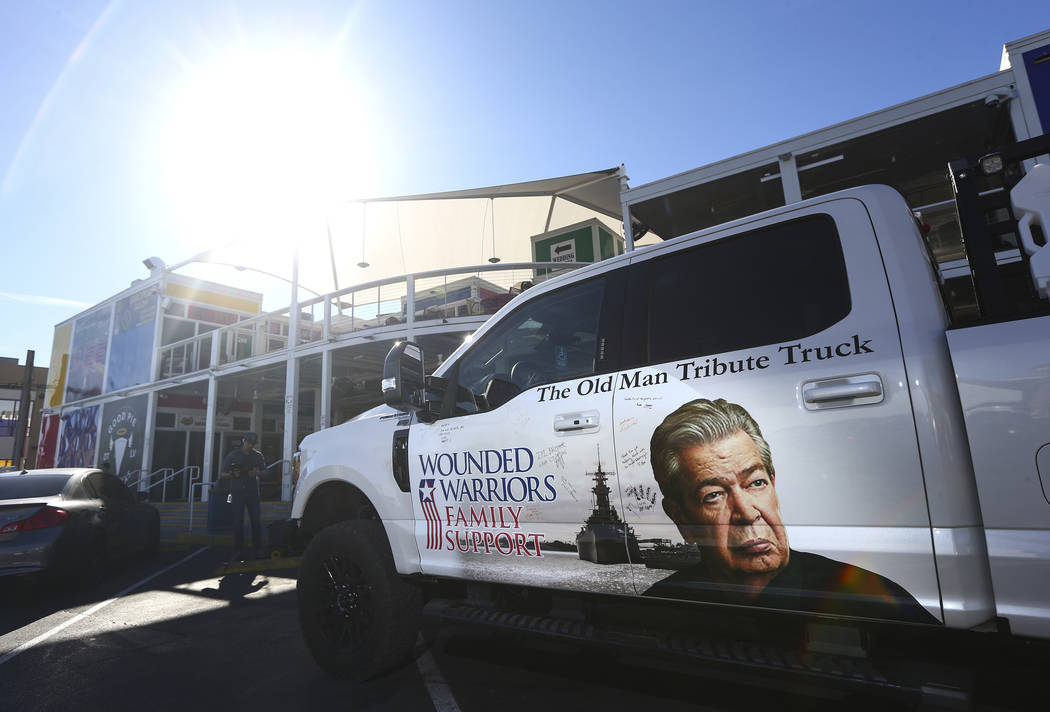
{"points": [[1001, 280]]}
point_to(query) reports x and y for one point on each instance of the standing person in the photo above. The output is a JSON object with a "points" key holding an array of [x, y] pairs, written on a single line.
{"points": [[243, 467]]}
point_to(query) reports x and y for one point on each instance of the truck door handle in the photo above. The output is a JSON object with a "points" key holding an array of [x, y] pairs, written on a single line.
{"points": [[568, 422], [837, 392]]}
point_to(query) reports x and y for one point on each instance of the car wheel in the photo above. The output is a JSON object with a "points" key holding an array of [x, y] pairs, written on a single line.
{"points": [[358, 617]]}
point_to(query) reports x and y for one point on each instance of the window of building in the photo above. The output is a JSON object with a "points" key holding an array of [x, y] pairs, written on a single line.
{"points": [[777, 284], [8, 426], [177, 330], [8, 418]]}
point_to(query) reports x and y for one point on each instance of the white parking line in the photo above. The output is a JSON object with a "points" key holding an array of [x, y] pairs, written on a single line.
{"points": [[440, 692], [94, 609]]}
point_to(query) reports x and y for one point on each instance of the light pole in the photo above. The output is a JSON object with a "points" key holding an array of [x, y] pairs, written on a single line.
{"points": [[205, 258]]}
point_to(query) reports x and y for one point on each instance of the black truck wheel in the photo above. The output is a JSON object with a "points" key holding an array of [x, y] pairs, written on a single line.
{"points": [[358, 617]]}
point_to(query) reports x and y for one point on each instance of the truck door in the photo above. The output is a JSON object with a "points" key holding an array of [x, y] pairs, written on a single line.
{"points": [[509, 477], [764, 433]]}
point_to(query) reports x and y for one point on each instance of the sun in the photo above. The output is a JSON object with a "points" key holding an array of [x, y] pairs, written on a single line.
{"points": [[260, 143]]}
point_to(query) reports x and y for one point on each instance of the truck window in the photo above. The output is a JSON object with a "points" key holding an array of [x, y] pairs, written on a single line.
{"points": [[767, 286], [548, 339]]}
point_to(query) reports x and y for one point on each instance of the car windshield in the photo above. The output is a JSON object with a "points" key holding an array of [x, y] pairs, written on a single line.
{"points": [[28, 486]]}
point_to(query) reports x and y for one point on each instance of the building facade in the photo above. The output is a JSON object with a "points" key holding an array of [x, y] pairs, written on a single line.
{"points": [[12, 386], [162, 378]]}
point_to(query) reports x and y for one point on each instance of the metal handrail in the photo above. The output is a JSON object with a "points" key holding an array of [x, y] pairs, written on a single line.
{"points": [[328, 296], [148, 477], [502, 267], [275, 463], [194, 472], [172, 473]]}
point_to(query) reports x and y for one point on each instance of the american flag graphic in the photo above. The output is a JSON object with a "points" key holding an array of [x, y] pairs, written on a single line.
{"points": [[426, 501]]}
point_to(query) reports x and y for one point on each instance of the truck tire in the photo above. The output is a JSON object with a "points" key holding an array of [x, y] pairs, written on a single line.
{"points": [[358, 617]]}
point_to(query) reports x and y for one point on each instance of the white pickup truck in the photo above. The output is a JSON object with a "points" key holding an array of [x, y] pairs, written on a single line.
{"points": [[770, 420]]}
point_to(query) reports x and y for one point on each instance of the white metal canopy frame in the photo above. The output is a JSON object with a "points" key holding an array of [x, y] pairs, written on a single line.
{"points": [[363, 240]]}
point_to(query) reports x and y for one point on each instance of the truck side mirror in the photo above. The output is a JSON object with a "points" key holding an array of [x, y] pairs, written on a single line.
{"points": [[403, 375]]}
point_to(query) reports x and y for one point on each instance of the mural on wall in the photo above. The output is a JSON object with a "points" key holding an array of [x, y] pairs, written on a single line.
{"points": [[131, 349], [122, 432], [79, 434], [46, 451], [87, 361], [56, 375]]}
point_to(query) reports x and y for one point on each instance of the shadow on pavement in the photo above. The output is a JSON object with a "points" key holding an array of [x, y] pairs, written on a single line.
{"points": [[244, 656], [234, 587]]}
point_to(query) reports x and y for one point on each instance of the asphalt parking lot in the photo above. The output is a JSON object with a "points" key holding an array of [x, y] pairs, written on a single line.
{"points": [[174, 632]]}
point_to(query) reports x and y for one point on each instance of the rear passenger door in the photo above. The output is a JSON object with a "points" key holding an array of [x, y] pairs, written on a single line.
{"points": [[792, 321]]}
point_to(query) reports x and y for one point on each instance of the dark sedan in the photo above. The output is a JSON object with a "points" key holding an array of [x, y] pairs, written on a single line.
{"points": [[70, 522]]}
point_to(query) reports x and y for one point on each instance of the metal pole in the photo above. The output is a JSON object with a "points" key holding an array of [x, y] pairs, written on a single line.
{"points": [[291, 384], [410, 307], [158, 327], [628, 229], [331, 256], [326, 388], [18, 457], [209, 433], [789, 178], [147, 445], [109, 350]]}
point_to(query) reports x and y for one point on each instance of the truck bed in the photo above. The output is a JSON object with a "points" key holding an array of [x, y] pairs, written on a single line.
{"points": [[1003, 375]]}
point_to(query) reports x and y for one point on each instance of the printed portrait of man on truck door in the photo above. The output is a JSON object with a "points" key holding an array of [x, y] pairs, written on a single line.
{"points": [[716, 474]]}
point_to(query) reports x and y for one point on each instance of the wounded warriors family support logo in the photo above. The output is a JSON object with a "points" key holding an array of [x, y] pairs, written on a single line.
{"points": [[473, 501]]}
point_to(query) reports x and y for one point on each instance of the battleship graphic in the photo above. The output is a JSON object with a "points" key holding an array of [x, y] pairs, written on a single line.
{"points": [[605, 538]]}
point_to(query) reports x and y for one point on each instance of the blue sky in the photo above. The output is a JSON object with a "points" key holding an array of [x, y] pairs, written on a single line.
{"points": [[102, 157]]}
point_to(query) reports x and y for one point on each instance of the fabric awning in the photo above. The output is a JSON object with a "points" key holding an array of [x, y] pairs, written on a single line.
{"points": [[411, 233]]}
